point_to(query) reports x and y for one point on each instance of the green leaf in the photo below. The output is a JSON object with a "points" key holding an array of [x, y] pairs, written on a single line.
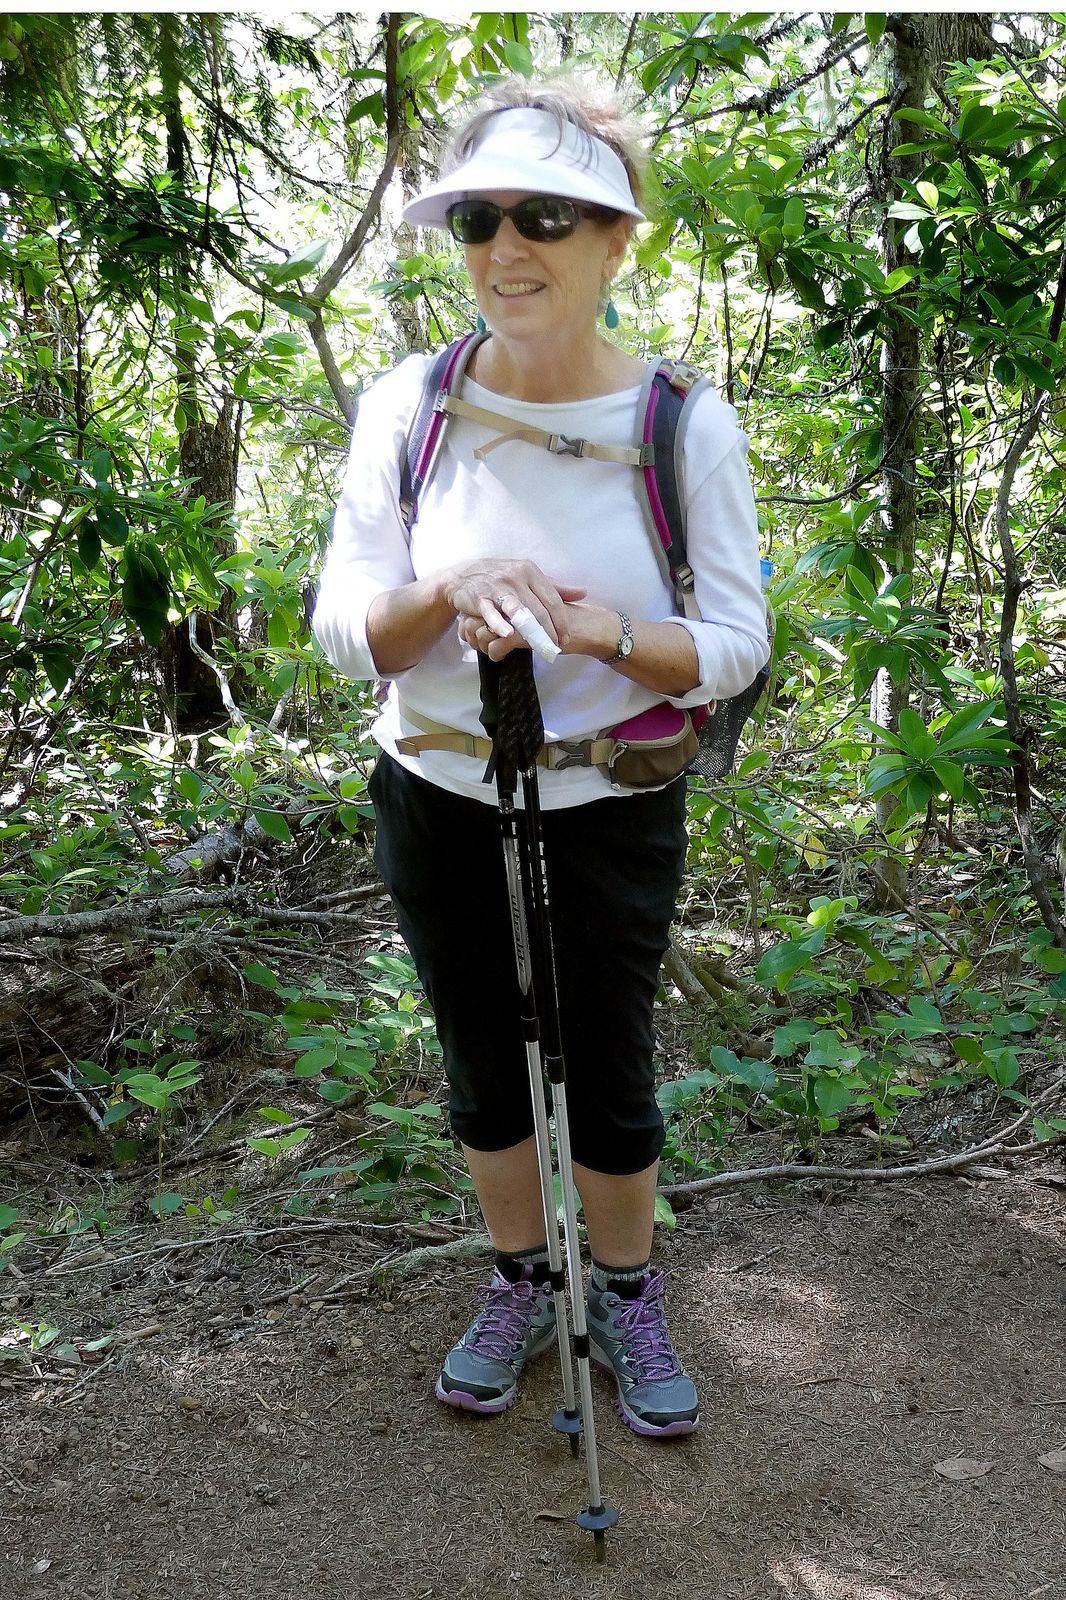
{"points": [[875, 27], [756, 1075], [922, 118], [8, 1215], [273, 824], [782, 961], [298, 264], [969, 1049], [926, 1012], [164, 1205], [832, 1096], [296, 308], [335, 1092], [112, 524], [664, 1212], [279, 1146], [518, 59], [951, 776], [317, 1060], [58, 666], [794, 218], [899, 277], [257, 973], [89, 546]]}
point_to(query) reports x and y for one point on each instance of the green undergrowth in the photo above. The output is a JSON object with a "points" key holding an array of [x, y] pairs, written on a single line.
{"points": [[868, 1028]]}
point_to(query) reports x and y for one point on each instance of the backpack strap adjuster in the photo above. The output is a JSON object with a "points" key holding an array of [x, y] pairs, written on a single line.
{"points": [[560, 445]]}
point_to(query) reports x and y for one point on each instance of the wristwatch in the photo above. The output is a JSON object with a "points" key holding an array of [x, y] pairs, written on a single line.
{"points": [[624, 647]]}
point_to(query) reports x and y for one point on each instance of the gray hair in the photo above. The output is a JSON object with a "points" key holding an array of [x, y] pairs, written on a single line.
{"points": [[597, 112]]}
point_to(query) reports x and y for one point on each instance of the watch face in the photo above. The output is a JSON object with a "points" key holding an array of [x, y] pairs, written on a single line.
{"points": [[625, 646]]}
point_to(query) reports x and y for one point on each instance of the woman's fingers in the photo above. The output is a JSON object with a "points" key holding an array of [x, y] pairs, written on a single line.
{"points": [[480, 635], [493, 611], [494, 591]]}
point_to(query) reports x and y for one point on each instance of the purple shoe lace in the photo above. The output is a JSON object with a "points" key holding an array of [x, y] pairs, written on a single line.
{"points": [[503, 1324], [641, 1324]]}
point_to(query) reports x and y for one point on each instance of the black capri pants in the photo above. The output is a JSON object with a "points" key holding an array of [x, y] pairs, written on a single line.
{"points": [[614, 869]]}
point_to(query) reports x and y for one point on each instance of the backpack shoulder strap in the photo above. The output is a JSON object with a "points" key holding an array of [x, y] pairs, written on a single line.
{"points": [[418, 454], [663, 414]]}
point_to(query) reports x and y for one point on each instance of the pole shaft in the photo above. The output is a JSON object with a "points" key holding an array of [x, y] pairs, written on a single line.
{"points": [[545, 987], [520, 933]]}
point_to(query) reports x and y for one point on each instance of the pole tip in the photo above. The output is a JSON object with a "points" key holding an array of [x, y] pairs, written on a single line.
{"points": [[596, 1520]]}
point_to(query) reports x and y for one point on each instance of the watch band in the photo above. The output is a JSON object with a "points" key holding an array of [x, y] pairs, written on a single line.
{"points": [[625, 642]]}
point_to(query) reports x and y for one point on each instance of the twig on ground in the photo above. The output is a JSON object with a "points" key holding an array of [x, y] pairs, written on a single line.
{"points": [[743, 1266], [93, 1372], [797, 1171], [295, 1230], [471, 1245]]}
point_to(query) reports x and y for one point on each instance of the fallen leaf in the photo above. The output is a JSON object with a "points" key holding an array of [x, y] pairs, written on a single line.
{"points": [[41, 1566], [1054, 1461], [960, 1467], [551, 1516]]}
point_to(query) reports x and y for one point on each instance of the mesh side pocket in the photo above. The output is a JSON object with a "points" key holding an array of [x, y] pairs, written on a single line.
{"points": [[720, 731]]}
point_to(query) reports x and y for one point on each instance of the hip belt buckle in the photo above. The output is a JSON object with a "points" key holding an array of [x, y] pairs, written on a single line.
{"points": [[569, 753]]}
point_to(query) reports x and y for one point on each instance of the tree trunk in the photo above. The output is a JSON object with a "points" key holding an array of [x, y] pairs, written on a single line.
{"points": [[207, 450], [901, 381]]}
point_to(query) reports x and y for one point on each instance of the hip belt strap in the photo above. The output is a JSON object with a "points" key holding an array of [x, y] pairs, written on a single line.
{"points": [[557, 756]]}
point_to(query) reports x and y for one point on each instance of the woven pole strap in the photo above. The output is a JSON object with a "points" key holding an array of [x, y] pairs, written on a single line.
{"points": [[511, 716]]}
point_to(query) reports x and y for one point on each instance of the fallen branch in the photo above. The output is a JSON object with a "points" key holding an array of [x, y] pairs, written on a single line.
{"points": [[138, 911], [681, 975], [699, 981], [405, 1266], [204, 1241], [798, 1171]]}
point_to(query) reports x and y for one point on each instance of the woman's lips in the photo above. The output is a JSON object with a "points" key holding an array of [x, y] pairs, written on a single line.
{"points": [[517, 291]]}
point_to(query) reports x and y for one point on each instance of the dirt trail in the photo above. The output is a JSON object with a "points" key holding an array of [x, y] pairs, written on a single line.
{"points": [[841, 1350]]}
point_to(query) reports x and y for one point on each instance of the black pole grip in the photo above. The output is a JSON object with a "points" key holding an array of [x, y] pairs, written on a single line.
{"points": [[510, 715]]}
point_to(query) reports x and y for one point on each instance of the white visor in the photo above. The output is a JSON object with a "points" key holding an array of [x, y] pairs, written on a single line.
{"points": [[523, 149]]}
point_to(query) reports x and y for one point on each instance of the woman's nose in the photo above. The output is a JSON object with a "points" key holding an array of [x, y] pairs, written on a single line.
{"points": [[508, 245]]}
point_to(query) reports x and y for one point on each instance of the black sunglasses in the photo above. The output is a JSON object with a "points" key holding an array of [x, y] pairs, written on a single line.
{"points": [[542, 218]]}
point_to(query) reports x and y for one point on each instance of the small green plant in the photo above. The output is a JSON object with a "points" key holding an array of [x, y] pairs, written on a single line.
{"points": [[9, 1215], [280, 1144], [129, 1086], [215, 1211], [349, 1041]]}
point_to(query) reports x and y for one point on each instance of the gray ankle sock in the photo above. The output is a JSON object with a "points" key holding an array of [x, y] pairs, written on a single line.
{"points": [[623, 1281]]}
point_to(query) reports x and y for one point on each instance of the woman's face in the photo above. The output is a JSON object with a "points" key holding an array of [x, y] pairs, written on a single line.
{"points": [[526, 290]]}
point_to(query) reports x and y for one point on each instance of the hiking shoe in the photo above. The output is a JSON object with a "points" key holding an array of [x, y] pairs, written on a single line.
{"points": [[656, 1397], [481, 1372]]}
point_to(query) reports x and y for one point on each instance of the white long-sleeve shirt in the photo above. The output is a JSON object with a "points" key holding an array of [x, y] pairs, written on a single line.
{"points": [[580, 521]]}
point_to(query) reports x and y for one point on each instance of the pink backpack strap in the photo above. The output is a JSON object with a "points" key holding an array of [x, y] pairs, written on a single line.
{"points": [[422, 445]]}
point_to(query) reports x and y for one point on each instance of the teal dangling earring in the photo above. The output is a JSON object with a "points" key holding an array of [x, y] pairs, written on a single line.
{"points": [[481, 325], [610, 315]]}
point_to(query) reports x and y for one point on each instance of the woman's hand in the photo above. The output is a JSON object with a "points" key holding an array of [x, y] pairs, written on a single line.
{"points": [[485, 594]]}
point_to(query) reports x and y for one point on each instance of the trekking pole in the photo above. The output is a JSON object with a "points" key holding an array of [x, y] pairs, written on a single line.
{"points": [[512, 718]]}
